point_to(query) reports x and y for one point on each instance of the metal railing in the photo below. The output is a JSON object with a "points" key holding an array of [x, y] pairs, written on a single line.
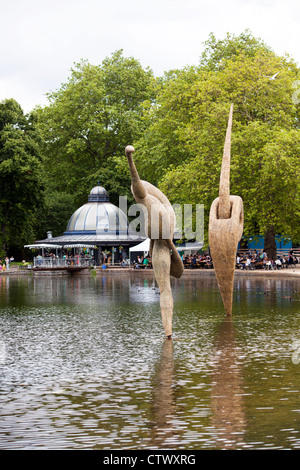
{"points": [[54, 262]]}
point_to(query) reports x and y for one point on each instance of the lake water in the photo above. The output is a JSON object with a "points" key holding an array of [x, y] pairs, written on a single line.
{"points": [[84, 364]]}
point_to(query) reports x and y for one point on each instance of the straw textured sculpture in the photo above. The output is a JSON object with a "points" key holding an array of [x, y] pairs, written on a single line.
{"points": [[159, 227], [226, 222]]}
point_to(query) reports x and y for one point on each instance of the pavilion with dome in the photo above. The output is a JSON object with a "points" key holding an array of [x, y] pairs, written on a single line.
{"points": [[97, 226]]}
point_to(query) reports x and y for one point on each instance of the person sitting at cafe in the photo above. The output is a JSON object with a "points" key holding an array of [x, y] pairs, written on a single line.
{"points": [[248, 262], [194, 262]]}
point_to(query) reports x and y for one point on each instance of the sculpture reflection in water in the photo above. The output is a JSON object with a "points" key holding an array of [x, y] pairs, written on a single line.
{"points": [[226, 220], [163, 410], [159, 227], [227, 395], [220, 421]]}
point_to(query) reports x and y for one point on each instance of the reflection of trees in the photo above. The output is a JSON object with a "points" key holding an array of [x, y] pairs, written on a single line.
{"points": [[227, 393], [16, 289], [79, 289], [163, 402]]}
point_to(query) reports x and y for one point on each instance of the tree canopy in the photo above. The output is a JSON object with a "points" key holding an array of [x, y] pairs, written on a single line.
{"points": [[91, 119], [21, 175]]}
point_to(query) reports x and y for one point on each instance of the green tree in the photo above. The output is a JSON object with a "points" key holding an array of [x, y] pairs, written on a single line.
{"points": [[187, 130], [91, 119], [218, 51], [54, 215], [21, 175]]}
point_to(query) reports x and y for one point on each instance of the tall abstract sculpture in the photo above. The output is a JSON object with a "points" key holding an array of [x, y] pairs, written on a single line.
{"points": [[159, 227], [226, 221]]}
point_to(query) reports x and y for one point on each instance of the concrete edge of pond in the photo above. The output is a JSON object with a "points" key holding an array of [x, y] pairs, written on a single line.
{"points": [[197, 273], [205, 272]]}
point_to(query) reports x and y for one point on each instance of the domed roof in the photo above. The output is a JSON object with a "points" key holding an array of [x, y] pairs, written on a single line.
{"points": [[98, 194], [98, 216], [99, 190], [97, 223]]}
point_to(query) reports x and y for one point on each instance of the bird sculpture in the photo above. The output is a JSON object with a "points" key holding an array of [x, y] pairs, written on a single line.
{"points": [[159, 220], [226, 220]]}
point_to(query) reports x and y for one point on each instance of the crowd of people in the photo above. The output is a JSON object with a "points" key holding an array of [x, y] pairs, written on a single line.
{"points": [[248, 261], [189, 261], [197, 261], [142, 262], [67, 258], [255, 260]]}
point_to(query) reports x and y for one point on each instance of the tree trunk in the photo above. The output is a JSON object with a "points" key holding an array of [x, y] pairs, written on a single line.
{"points": [[270, 243]]}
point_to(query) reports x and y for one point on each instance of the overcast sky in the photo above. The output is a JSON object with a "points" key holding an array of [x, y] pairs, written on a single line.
{"points": [[41, 40]]}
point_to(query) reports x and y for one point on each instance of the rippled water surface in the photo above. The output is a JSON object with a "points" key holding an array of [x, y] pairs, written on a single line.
{"points": [[84, 364]]}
